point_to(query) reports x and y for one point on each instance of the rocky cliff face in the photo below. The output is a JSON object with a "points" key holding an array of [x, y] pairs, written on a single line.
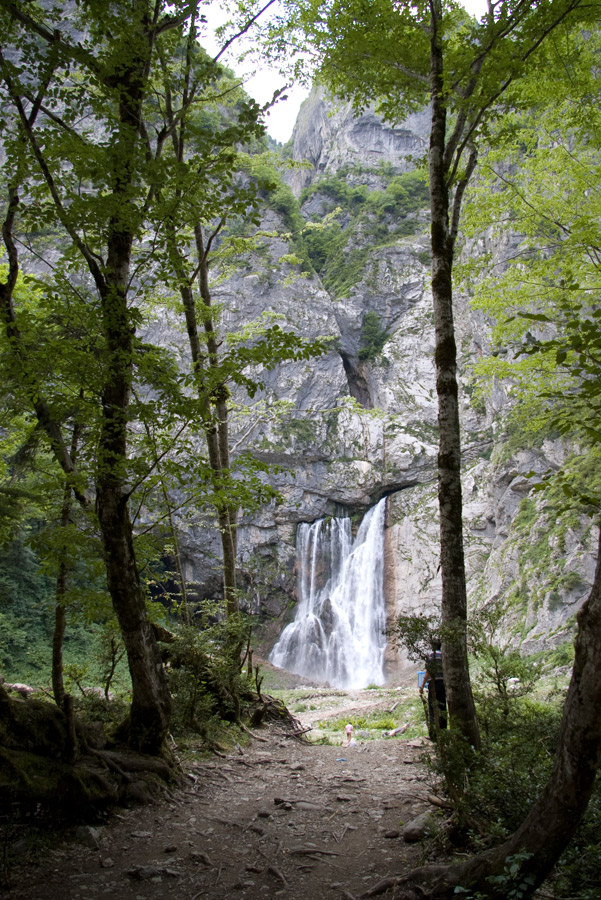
{"points": [[361, 421], [328, 136]]}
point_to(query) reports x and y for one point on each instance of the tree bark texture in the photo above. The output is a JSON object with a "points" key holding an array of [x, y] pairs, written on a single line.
{"points": [[218, 439], [151, 701], [60, 617], [454, 596], [58, 636]]}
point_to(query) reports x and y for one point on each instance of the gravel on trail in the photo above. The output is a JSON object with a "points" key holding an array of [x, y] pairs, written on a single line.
{"points": [[276, 819]]}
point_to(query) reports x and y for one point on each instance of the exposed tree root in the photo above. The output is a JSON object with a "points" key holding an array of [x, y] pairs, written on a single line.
{"points": [[415, 885], [41, 769], [272, 710], [252, 734]]}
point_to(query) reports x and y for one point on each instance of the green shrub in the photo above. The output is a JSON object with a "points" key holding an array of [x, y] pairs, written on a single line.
{"points": [[403, 194], [301, 431], [518, 749], [382, 723], [205, 680], [93, 708], [561, 656], [373, 336], [370, 218], [375, 721], [190, 677], [323, 244], [283, 201]]}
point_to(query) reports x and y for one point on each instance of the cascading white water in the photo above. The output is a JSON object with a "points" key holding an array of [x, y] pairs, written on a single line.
{"points": [[338, 631]]}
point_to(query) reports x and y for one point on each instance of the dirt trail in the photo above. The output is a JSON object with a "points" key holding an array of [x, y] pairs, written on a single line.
{"points": [[277, 819]]}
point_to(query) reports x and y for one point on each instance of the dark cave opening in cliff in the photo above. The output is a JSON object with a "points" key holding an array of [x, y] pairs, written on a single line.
{"points": [[357, 383]]}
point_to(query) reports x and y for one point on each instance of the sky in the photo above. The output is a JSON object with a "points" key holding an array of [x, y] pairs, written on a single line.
{"points": [[262, 84]]}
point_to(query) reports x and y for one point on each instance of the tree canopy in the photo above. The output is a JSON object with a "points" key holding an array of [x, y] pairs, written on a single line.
{"points": [[125, 145]]}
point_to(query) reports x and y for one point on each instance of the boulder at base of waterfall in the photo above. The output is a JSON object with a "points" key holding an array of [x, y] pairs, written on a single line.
{"points": [[419, 828]]}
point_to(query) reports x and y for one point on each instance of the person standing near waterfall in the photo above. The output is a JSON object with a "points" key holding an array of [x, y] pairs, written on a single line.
{"points": [[437, 698], [349, 734]]}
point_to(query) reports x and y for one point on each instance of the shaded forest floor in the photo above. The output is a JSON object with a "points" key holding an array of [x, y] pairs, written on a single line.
{"points": [[276, 817]]}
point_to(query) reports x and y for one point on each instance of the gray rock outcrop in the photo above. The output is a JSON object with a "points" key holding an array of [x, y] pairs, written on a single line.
{"points": [[346, 429], [329, 135]]}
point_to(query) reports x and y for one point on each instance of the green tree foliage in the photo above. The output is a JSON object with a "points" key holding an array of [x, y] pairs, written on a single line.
{"points": [[373, 336], [25, 613], [74, 94], [504, 674], [100, 64], [195, 211], [541, 181], [415, 633], [123, 143]]}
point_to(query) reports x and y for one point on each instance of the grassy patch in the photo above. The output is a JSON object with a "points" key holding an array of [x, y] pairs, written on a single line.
{"points": [[373, 721]]}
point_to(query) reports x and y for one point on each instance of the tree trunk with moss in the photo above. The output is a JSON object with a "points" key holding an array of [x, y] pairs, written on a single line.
{"points": [[462, 712], [151, 702], [123, 72]]}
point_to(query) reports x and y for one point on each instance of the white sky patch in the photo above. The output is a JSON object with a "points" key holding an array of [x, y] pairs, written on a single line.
{"points": [[261, 84]]}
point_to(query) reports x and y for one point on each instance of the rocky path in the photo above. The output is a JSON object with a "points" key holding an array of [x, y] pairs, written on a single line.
{"points": [[277, 819]]}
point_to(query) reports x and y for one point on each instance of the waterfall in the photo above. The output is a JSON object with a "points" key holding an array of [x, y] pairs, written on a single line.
{"points": [[337, 634]]}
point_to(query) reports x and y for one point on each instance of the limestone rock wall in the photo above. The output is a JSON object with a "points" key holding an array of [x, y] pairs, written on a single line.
{"points": [[344, 430], [328, 135]]}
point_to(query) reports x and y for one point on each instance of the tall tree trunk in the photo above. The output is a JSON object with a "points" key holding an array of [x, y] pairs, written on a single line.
{"points": [[214, 410], [151, 703], [219, 439], [60, 617], [58, 636], [462, 712]]}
